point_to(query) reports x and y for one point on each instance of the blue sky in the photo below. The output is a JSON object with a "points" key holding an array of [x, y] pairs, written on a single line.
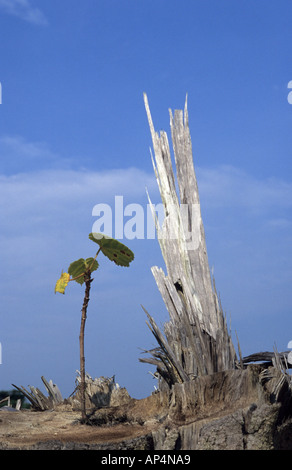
{"points": [[74, 133]]}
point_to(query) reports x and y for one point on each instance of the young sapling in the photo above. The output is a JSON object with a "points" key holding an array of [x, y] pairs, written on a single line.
{"points": [[80, 271]]}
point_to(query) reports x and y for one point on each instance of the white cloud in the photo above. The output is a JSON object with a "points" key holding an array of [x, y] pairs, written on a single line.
{"points": [[24, 10], [55, 197], [18, 146], [228, 186], [279, 223], [46, 216], [59, 196]]}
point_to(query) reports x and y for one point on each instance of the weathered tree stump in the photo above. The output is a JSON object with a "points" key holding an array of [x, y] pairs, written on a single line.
{"points": [[216, 400]]}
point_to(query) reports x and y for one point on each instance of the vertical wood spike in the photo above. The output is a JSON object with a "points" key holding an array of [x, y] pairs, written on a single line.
{"points": [[197, 333]]}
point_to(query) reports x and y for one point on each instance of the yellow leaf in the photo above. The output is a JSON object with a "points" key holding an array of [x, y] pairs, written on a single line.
{"points": [[62, 283]]}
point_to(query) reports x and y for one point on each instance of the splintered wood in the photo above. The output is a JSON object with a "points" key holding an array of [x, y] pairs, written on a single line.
{"points": [[38, 400], [196, 339], [100, 392]]}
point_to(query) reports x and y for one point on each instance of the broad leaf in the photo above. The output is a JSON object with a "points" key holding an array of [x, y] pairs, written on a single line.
{"points": [[113, 249], [62, 283], [77, 268], [92, 264]]}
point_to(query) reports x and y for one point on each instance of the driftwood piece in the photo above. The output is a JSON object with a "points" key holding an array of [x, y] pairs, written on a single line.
{"points": [[270, 358], [38, 400], [30, 397], [6, 399], [196, 335], [100, 392], [53, 391]]}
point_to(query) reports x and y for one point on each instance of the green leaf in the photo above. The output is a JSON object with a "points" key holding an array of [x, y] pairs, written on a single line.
{"points": [[62, 283], [92, 264], [77, 268], [113, 249]]}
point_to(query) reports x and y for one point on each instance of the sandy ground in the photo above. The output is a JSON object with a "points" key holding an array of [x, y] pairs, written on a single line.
{"points": [[25, 429]]}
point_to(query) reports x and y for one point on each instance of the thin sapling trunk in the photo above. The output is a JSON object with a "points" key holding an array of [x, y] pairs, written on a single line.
{"points": [[88, 280]]}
